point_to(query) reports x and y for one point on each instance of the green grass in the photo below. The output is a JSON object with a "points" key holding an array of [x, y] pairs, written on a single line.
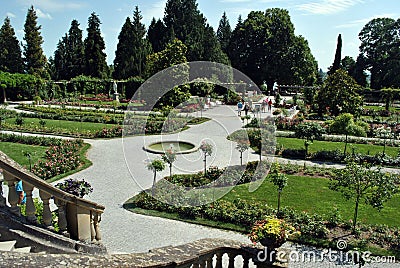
{"points": [[175, 216], [313, 196], [381, 108], [293, 143], [16, 152], [62, 124]]}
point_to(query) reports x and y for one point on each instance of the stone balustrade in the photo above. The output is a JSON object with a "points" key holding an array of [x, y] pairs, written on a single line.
{"points": [[207, 253], [77, 218]]}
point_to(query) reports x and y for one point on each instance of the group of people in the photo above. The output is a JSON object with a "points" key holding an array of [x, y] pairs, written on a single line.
{"points": [[244, 106], [266, 103]]}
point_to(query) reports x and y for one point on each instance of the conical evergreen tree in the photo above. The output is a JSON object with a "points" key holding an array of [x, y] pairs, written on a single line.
{"points": [[338, 57], [10, 50], [224, 33], [60, 60], [75, 51], [132, 49], [157, 35], [141, 45], [123, 60], [95, 58], [35, 60], [69, 60], [184, 21]]}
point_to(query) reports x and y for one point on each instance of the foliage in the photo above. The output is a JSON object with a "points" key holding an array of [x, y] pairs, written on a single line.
{"points": [[10, 50], [361, 182], [390, 95], [34, 58], [344, 124], [224, 33], [338, 57], [309, 132], [184, 21], [206, 148], [59, 159], [95, 58], [132, 48], [339, 94], [274, 229], [260, 47], [169, 157], [380, 52], [79, 188]]}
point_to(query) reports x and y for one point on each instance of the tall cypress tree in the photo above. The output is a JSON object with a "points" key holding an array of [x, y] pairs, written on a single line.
{"points": [[157, 35], [69, 60], [35, 60], [132, 49], [123, 60], [141, 45], [95, 58], [338, 57], [224, 33], [75, 51], [10, 50], [60, 60]]}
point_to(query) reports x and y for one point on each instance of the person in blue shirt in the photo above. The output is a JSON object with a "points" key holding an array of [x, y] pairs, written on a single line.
{"points": [[240, 107], [20, 191]]}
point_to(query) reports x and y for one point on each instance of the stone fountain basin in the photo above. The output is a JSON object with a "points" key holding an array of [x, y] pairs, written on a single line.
{"points": [[180, 147]]}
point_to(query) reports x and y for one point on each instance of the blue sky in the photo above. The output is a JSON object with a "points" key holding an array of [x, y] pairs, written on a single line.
{"points": [[319, 21]]}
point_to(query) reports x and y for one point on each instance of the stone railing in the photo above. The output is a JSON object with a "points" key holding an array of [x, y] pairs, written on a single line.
{"points": [[77, 218], [204, 253]]}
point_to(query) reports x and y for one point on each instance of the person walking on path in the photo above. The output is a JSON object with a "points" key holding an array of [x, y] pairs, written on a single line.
{"points": [[246, 109], [269, 105], [240, 107], [263, 105]]}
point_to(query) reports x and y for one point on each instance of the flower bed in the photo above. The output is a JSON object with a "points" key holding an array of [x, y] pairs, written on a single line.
{"points": [[60, 159]]}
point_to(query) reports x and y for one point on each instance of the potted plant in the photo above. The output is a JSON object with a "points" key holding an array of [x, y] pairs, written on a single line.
{"points": [[76, 187], [272, 233]]}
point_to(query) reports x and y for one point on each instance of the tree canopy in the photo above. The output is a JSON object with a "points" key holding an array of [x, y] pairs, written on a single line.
{"points": [[10, 50], [34, 58], [339, 94], [95, 58]]}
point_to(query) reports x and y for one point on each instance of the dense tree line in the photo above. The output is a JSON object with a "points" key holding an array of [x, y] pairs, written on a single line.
{"points": [[263, 46]]}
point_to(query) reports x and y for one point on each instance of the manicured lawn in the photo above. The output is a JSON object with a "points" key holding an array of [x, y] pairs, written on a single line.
{"points": [[16, 152], [379, 108], [62, 124], [313, 196], [293, 143]]}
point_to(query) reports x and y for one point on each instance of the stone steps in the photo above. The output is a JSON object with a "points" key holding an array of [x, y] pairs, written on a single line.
{"points": [[10, 246]]}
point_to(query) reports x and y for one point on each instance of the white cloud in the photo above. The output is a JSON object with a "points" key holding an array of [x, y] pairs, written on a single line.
{"points": [[43, 15], [10, 15], [155, 10], [328, 6], [362, 22], [54, 6]]}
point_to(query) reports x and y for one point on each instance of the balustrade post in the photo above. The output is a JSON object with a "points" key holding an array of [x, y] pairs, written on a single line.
{"points": [[209, 261], [47, 217], [96, 223], [231, 263], [30, 205], [246, 260], [219, 260], [2, 198], [12, 194], [62, 217]]}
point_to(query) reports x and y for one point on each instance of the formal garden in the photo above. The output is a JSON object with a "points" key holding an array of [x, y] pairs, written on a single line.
{"points": [[334, 168]]}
